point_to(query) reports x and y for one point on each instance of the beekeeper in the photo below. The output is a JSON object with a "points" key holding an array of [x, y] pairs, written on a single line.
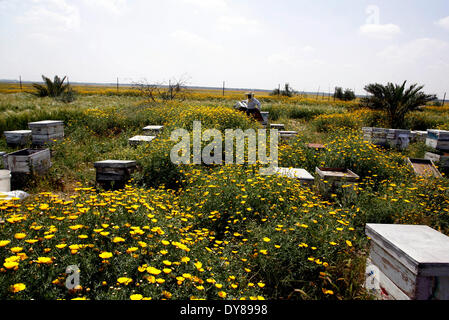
{"points": [[251, 106]]}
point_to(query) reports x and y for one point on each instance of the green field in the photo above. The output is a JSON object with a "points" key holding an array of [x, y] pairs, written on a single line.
{"points": [[197, 231]]}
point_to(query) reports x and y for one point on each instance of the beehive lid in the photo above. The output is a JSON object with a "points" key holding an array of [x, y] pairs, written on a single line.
{"points": [[153, 127], [115, 164], [45, 123], [316, 146], [421, 249], [336, 173], [27, 152], [142, 138], [301, 174], [18, 132], [424, 167], [287, 132]]}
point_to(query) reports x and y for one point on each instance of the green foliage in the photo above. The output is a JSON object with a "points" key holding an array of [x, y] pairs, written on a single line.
{"points": [[395, 100], [338, 93], [55, 89], [347, 95]]}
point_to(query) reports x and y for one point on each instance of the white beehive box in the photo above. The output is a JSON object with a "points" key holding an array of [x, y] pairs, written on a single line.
{"points": [[303, 175], [377, 136], [18, 137], [412, 262], [438, 139], [46, 131], [136, 140], [153, 130]]}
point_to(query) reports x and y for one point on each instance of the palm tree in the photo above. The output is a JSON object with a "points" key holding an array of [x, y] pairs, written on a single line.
{"points": [[53, 88], [395, 100]]}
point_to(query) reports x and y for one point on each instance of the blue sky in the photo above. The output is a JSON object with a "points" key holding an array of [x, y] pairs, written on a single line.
{"points": [[250, 44]]}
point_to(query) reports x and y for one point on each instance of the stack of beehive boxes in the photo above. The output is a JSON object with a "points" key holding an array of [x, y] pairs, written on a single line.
{"points": [[394, 137], [438, 139], [377, 136], [419, 136], [386, 137]]}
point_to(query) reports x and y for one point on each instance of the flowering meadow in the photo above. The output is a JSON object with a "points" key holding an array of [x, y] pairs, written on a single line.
{"points": [[197, 231]]}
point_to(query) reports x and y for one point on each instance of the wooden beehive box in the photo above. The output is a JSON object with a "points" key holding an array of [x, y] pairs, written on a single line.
{"points": [[424, 167], [153, 130], [116, 172], [27, 161], [46, 131], [136, 140], [441, 158], [303, 175], [18, 137], [412, 262]]}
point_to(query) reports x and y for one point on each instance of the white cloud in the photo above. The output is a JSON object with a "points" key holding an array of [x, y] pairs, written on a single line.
{"points": [[229, 23], [208, 4], [430, 51], [113, 6], [51, 15], [380, 31], [193, 40], [444, 23], [295, 57]]}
